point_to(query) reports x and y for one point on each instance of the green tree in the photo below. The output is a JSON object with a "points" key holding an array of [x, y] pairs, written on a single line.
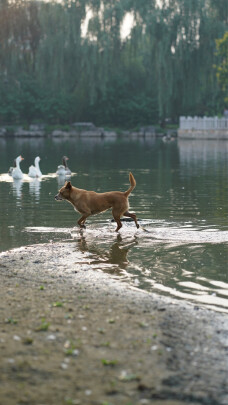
{"points": [[49, 71], [222, 67]]}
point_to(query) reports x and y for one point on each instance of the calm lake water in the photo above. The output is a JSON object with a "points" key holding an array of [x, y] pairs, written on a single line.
{"points": [[181, 249]]}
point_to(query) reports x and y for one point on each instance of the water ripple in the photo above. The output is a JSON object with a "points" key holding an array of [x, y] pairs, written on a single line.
{"points": [[165, 257]]}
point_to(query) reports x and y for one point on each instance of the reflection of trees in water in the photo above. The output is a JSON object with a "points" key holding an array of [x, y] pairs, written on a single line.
{"points": [[115, 254]]}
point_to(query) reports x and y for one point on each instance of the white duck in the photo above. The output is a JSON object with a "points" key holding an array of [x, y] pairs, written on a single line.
{"points": [[34, 171], [63, 170], [16, 172], [10, 171]]}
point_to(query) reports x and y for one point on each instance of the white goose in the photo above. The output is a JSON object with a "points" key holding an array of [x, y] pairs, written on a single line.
{"points": [[34, 171], [10, 171], [16, 172], [63, 170]]}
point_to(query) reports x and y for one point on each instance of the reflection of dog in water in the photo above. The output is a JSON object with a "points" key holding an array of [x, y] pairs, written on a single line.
{"points": [[90, 203], [117, 253]]}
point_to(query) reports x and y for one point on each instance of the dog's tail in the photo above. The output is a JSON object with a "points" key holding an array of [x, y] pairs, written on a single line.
{"points": [[133, 184]]}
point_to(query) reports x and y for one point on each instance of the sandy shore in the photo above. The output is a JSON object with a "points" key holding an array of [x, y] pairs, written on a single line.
{"points": [[72, 335]]}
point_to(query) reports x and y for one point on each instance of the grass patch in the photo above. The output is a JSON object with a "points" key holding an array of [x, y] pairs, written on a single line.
{"points": [[57, 304], [11, 321], [43, 326], [111, 363]]}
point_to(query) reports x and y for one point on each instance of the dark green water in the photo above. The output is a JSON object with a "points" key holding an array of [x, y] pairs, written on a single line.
{"points": [[181, 199]]}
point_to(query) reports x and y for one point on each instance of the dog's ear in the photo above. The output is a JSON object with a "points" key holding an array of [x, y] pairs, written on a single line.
{"points": [[68, 185]]}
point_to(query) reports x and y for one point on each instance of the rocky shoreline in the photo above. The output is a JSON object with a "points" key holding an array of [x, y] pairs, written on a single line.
{"points": [[72, 335], [84, 130]]}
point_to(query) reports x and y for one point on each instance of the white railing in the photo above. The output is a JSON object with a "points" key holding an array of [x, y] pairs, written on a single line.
{"points": [[203, 123]]}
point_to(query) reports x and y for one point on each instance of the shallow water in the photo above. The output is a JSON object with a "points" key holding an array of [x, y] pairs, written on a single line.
{"points": [[181, 248]]}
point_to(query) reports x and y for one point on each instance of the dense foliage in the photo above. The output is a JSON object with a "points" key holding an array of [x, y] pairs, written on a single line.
{"points": [[50, 71], [222, 67]]}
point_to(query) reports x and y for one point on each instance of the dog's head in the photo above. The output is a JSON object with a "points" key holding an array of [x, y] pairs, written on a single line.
{"points": [[64, 192]]}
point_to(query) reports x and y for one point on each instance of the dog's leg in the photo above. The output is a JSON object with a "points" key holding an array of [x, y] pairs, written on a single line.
{"points": [[81, 221], [129, 214], [117, 219]]}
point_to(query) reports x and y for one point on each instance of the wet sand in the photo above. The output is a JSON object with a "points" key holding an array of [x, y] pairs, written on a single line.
{"points": [[72, 335]]}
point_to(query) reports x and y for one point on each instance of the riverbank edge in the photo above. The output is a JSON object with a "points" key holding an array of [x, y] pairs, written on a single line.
{"points": [[86, 130], [216, 134], [140, 347]]}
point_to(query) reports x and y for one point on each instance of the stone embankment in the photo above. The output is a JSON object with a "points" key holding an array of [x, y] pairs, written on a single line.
{"points": [[79, 129]]}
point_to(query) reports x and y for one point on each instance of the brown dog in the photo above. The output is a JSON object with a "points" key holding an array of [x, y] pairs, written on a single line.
{"points": [[90, 203]]}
